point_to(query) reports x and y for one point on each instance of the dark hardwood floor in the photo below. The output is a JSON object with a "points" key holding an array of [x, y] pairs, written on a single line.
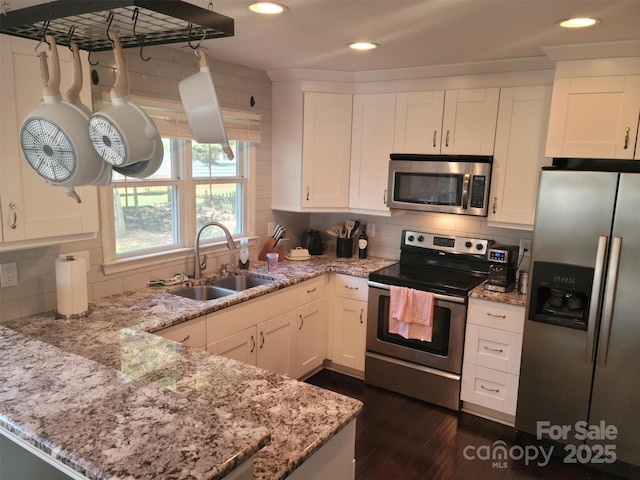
{"points": [[401, 438]]}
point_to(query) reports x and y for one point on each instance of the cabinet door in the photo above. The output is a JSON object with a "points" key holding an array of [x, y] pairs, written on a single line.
{"points": [[469, 121], [594, 117], [519, 155], [192, 333], [326, 150], [372, 143], [349, 332], [241, 346], [31, 208], [489, 388], [418, 122], [309, 338], [274, 344]]}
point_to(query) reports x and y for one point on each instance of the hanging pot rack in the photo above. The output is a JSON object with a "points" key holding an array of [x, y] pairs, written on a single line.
{"points": [[140, 23]]}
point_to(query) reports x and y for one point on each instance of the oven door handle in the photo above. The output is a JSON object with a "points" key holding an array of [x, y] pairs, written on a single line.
{"points": [[437, 296]]}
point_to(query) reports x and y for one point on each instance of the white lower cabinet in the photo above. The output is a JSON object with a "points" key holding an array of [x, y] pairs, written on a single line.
{"points": [[349, 322], [310, 332], [492, 352]]}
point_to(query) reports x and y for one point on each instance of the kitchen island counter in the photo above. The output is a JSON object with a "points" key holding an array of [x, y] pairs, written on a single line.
{"points": [[111, 400]]}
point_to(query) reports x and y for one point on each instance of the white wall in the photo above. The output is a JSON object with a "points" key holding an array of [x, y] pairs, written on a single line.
{"points": [[159, 77]]}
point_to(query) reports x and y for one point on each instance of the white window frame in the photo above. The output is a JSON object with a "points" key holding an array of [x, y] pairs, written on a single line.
{"points": [[113, 263]]}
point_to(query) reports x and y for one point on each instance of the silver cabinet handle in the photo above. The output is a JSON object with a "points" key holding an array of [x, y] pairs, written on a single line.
{"points": [[351, 288], [489, 349], [384, 196], [312, 290], [626, 137], [185, 339], [253, 344], [435, 133], [496, 390], [14, 216], [301, 322], [607, 307], [495, 203], [495, 315], [594, 307], [446, 139], [361, 313], [307, 194], [261, 340]]}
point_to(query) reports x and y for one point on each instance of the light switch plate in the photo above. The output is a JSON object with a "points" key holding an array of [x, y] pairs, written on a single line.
{"points": [[8, 274]]}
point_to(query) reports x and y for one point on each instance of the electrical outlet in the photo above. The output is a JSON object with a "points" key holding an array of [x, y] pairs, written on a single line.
{"points": [[9, 274], [85, 255], [525, 247]]}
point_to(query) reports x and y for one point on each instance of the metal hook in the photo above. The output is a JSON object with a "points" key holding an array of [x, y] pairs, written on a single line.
{"points": [[210, 6], [89, 60], [139, 37], [109, 21], [70, 36], [204, 34], [44, 37]]}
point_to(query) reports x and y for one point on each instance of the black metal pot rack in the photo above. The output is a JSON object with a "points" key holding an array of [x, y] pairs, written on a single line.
{"points": [[140, 23]]}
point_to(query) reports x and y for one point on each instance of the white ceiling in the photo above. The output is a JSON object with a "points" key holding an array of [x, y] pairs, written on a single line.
{"points": [[314, 34]]}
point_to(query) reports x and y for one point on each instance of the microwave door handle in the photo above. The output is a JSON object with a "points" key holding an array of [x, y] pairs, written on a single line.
{"points": [[465, 191]]}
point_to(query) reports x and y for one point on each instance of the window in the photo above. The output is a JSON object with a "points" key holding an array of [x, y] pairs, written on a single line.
{"points": [[196, 183]]}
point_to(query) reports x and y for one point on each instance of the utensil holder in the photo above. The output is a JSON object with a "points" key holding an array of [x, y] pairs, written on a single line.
{"points": [[344, 247], [270, 247]]}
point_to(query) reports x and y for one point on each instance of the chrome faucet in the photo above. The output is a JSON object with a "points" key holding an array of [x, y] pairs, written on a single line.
{"points": [[201, 266]]}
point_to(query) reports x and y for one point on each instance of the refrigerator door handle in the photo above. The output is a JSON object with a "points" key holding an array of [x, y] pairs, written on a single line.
{"points": [[595, 297], [609, 296]]}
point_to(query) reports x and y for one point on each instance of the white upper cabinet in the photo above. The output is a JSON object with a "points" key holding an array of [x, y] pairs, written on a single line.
{"points": [[595, 109], [519, 155], [311, 151], [34, 213], [451, 122], [372, 142]]}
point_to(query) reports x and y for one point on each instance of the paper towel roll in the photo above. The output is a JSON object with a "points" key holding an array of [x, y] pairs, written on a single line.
{"points": [[71, 288]]}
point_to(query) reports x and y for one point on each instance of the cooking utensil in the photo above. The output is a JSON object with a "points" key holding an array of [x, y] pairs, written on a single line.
{"points": [[53, 136], [123, 134], [348, 225], [332, 233], [200, 102], [72, 95]]}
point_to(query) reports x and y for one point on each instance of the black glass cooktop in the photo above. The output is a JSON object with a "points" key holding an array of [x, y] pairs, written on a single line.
{"points": [[428, 278]]}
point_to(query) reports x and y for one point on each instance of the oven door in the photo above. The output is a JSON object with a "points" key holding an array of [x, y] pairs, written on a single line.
{"points": [[443, 352]]}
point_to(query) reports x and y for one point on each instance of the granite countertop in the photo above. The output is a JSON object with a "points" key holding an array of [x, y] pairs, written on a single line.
{"points": [[513, 297], [111, 400]]}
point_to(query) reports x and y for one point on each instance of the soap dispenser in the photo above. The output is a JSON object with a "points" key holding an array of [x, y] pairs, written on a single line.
{"points": [[243, 261]]}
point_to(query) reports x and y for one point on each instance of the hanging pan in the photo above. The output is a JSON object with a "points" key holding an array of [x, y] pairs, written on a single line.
{"points": [[72, 96], [53, 135], [201, 106], [123, 134]]}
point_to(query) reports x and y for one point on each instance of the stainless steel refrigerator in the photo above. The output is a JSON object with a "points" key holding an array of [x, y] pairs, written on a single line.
{"points": [[580, 368]]}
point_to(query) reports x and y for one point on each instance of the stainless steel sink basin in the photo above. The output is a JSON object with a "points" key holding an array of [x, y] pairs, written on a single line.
{"points": [[240, 282], [203, 292]]}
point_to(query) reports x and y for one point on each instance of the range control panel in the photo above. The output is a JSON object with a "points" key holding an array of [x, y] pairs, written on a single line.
{"points": [[446, 243]]}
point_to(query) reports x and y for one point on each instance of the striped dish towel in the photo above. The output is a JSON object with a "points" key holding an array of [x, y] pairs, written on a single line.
{"points": [[411, 313]]}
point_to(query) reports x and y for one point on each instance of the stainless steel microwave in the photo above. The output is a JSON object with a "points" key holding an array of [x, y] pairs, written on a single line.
{"points": [[440, 183]]}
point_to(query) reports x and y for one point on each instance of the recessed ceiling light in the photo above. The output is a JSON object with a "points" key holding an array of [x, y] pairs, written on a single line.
{"points": [[364, 46], [267, 8], [579, 22]]}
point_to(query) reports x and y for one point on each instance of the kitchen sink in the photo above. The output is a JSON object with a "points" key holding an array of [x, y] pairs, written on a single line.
{"points": [[240, 282], [203, 292]]}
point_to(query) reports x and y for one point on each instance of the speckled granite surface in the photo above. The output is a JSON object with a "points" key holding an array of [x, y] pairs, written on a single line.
{"points": [[512, 297], [113, 401]]}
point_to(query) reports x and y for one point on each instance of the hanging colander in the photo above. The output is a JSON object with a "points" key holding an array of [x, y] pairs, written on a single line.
{"points": [[123, 134]]}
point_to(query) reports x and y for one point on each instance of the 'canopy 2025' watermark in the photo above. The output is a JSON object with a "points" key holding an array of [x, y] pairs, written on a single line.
{"points": [[598, 450]]}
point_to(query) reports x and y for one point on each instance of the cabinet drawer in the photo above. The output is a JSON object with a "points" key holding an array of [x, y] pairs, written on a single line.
{"points": [[355, 288], [311, 290], [503, 316], [192, 333], [492, 348], [489, 388]]}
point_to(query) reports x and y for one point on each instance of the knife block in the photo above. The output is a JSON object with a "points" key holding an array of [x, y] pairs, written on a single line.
{"points": [[270, 247]]}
